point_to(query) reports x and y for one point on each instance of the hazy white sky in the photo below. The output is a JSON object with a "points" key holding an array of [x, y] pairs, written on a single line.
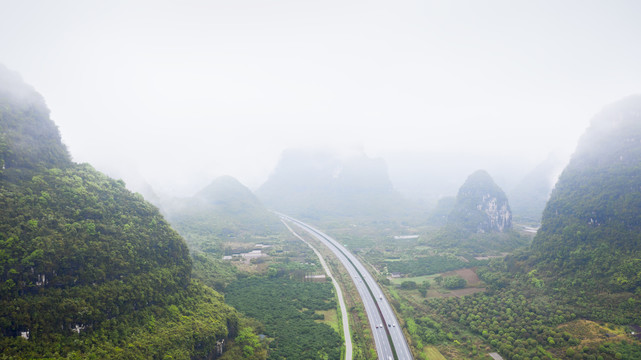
{"points": [[183, 91]]}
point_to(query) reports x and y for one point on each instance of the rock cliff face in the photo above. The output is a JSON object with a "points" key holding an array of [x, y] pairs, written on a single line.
{"points": [[481, 206]]}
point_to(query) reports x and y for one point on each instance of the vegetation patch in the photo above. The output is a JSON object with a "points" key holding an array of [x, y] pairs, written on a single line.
{"points": [[428, 265], [469, 275], [329, 317], [288, 308], [590, 332], [432, 353], [416, 279]]}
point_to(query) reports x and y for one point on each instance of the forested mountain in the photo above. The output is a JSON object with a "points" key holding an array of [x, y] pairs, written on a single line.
{"points": [[29, 140], [481, 206], [223, 208], [480, 220], [88, 268], [317, 184], [582, 275], [591, 226]]}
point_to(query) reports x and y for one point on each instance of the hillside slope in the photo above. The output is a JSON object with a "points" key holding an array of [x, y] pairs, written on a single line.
{"points": [[86, 267], [591, 226]]}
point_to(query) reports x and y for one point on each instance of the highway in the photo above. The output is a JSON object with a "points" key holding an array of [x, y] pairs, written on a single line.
{"points": [[388, 336]]}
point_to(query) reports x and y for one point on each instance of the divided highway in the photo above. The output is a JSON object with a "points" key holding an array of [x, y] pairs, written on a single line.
{"points": [[388, 335]]}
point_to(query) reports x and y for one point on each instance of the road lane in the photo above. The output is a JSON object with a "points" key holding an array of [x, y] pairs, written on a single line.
{"points": [[382, 319]]}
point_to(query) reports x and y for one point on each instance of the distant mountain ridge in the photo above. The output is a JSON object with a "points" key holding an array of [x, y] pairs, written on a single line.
{"points": [[222, 208], [317, 183], [229, 195]]}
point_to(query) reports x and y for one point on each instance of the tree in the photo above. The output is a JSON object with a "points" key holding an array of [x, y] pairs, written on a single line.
{"points": [[408, 285], [454, 282]]}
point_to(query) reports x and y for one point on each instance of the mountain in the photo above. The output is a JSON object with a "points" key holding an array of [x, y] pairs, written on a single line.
{"points": [[480, 220], [317, 184], [529, 196], [29, 140], [591, 226], [481, 206], [228, 195], [223, 208], [87, 268]]}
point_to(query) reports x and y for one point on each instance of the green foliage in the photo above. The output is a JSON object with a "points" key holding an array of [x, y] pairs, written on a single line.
{"points": [[79, 250], [212, 271], [514, 324], [454, 282], [89, 230], [591, 227], [287, 309], [408, 285], [88, 269], [189, 327], [29, 140], [247, 345], [480, 221], [454, 237], [425, 330], [428, 265]]}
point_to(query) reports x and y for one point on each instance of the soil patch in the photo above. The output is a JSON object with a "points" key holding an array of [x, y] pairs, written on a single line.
{"points": [[590, 332], [457, 293], [468, 274]]}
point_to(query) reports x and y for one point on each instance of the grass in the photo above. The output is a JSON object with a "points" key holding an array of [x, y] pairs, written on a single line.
{"points": [[331, 319], [417, 279], [432, 353], [591, 332]]}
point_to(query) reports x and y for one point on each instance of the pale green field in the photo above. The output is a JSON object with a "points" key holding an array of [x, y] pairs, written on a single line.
{"points": [[331, 319], [418, 280], [433, 353]]}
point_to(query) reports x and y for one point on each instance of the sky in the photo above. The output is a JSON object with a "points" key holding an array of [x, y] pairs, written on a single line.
{"points": [[177, 93]]}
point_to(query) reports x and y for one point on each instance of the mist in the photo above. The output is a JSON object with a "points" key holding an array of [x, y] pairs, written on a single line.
{"points": [[174, 95]]}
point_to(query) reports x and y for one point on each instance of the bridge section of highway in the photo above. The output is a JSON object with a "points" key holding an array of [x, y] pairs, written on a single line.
{"points": [[387, 333]]}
